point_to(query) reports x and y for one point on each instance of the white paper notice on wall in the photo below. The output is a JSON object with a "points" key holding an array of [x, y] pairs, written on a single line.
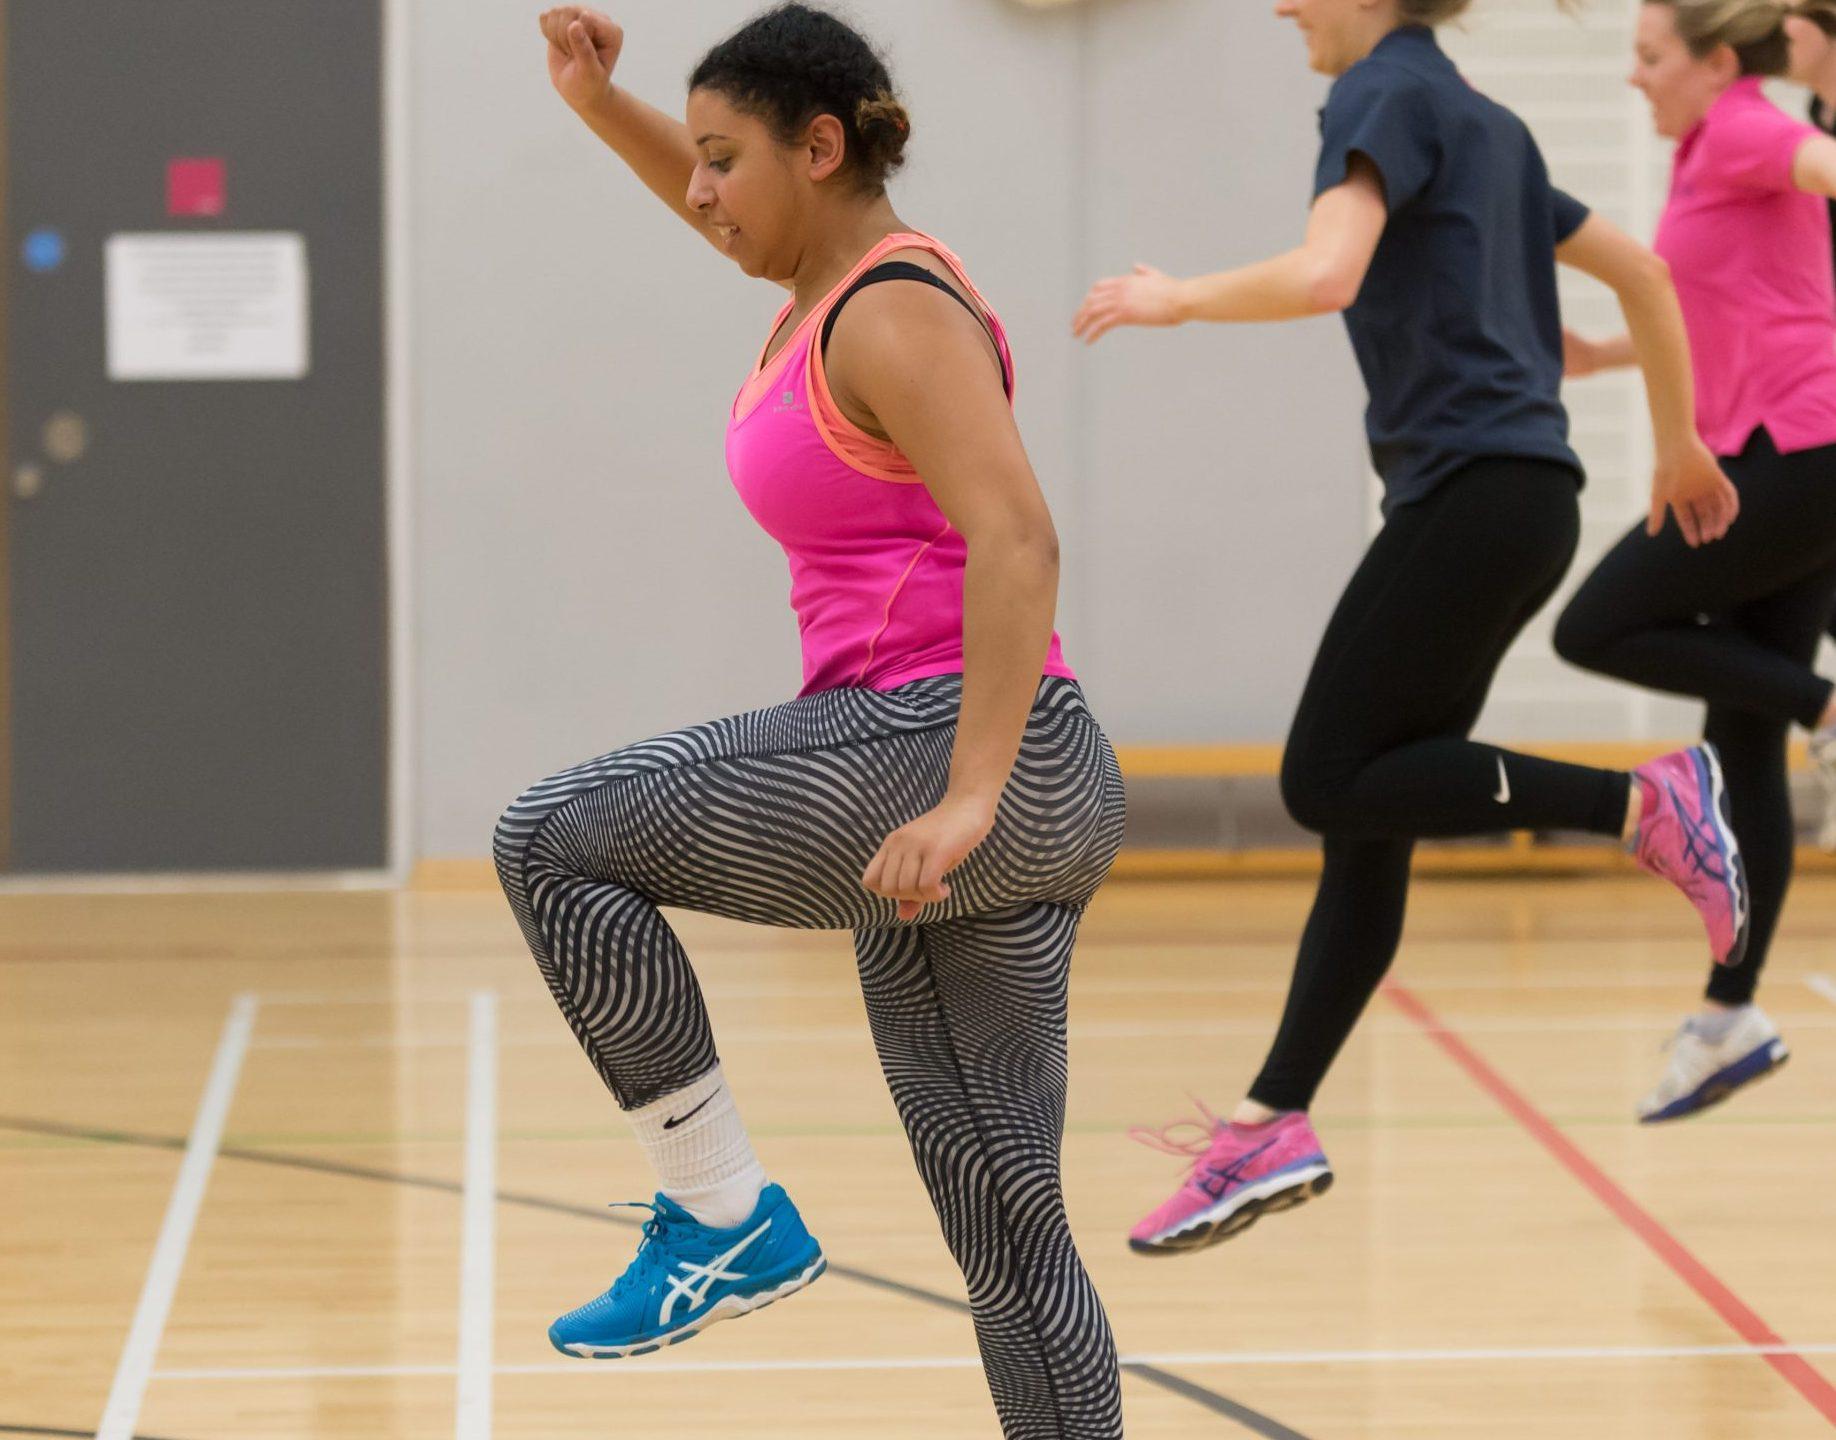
{"points": [[208, 307]]}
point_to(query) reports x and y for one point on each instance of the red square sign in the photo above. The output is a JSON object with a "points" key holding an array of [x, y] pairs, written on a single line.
{"points": [[197, 187]]}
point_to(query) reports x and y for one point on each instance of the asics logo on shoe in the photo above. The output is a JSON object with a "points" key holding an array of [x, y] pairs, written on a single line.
{"points": [[697, 1280], [675, 1120], [1700, 842], [1219, 1178], [1503, 797]]}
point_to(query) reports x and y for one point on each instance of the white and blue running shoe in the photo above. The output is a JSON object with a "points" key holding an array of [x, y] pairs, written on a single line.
{"points": [[688, 1276], [1704, 1072]]}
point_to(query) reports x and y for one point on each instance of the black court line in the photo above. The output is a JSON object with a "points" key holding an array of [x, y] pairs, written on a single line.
{"points": [[48, 1430], [1253, 1421]]}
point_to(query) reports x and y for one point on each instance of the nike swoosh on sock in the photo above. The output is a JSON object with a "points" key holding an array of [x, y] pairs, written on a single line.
{"points": [[675, 1120]]}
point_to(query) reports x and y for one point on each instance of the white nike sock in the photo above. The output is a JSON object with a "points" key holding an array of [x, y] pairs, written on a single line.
{"points": [[698, 1146]]}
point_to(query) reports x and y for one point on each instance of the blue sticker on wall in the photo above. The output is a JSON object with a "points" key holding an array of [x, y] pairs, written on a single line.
{"points": [[43, 251]]}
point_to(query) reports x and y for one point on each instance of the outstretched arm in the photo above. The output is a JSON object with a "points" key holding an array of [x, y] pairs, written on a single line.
{"points": [[1319, 277], [1813, 168]]}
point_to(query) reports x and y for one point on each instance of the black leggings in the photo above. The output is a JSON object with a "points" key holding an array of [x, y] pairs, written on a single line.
{"points": [[1379, 755], [1735, 624]]}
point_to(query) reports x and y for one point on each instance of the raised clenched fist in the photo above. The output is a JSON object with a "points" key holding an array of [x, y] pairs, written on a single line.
{"points": [[583, 48]]}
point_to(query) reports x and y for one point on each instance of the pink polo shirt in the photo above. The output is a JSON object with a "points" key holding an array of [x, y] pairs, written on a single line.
{"points": [[1750, 254]]}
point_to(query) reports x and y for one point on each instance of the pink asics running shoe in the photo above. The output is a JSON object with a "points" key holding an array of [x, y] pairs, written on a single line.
{"points": [[1239, 1173], [1687, 837]]}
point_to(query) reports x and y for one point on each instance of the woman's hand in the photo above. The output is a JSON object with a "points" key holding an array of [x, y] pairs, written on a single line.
{"points": [[1690, 482], [583, 48], [1146, 297], [915, 858], [1580, 356]]}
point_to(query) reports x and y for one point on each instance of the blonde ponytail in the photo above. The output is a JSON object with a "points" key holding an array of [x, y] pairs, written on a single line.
{"points": [[1753, 29]]}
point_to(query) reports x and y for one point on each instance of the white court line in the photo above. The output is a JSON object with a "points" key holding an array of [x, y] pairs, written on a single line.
{"points": [[135, 1367], [1482, 1356], [1824, 986], [1200, 1358], [478, 1250]]}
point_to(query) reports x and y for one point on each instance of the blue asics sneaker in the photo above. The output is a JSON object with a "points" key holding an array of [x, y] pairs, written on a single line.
{"points": [[688, 1276]]}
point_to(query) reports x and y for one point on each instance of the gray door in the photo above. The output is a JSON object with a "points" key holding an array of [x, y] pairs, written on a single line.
{"points": [[197, 569]]}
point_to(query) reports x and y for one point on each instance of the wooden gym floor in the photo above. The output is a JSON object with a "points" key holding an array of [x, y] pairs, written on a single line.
{"points": [[326, 1165]]}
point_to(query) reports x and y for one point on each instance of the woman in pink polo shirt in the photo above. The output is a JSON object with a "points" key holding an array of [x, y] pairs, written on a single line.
{"points": [[1746, 233]]}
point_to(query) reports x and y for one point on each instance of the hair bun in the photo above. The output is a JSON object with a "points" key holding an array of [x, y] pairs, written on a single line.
{"points": [[883, 109]]}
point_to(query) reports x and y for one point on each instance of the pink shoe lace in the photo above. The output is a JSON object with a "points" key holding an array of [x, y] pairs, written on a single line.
{"points": [[1168, 1139]]}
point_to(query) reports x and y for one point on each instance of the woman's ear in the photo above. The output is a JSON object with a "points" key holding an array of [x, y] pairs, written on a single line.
{"points": [[827, 144]]}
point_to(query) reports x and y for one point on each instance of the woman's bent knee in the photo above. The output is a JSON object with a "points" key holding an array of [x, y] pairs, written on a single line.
{"points": [[1313, 799]]}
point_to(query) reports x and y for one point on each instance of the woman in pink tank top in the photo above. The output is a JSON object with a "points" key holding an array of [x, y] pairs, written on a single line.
{"points": [[940, 787], [1746, 233]]}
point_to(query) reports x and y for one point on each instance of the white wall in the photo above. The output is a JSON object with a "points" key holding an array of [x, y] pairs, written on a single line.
{"points": [[584, 575], [1226, 465]]}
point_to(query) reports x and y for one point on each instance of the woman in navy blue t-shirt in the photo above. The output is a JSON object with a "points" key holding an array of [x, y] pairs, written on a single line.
{"points": [[1436, 231]]}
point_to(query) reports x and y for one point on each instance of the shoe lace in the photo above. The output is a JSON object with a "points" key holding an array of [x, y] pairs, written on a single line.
{"points": [[1189, 1139], [650, 1257]]}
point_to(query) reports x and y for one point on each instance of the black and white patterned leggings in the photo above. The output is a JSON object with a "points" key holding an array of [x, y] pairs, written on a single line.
{"points": [[772, 817]]}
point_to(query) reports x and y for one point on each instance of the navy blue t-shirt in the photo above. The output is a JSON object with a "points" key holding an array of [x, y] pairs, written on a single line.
{"points": [[1457, 328]]}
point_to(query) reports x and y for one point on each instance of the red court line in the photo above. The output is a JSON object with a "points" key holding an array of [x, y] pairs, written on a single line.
{"points": [[1797, 1372]]}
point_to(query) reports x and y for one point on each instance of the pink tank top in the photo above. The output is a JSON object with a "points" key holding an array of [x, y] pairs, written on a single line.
{"points": [[876, 569]]}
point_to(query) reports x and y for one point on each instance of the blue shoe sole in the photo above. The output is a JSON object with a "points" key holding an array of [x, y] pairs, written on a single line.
{"points": [[1723, 1083], [729, 1307]]}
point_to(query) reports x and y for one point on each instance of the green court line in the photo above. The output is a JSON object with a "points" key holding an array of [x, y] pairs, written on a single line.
{"points": [[603, 1134]]}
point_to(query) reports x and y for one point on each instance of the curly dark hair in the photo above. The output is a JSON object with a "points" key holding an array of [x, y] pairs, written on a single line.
{"points": [[794, 63]]}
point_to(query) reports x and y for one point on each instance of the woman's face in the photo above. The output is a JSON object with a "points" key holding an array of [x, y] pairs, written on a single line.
{"points": [[746, 186], [1811, 48], [1336, 31], [1679, 87]]}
